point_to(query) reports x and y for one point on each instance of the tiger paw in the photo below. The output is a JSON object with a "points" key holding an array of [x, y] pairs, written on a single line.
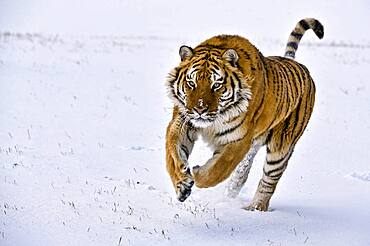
{"points": [[183, 188], [257, 205], [201, 177]]}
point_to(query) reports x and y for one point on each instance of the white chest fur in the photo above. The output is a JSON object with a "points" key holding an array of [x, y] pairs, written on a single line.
{"points": [[222, 132]]}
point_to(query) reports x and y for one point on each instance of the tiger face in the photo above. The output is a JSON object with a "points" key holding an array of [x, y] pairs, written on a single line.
{"points": [[208, 87]]}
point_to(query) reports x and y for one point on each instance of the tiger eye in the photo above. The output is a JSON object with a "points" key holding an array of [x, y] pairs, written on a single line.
{"points": [[191, 84], [216, 86]]}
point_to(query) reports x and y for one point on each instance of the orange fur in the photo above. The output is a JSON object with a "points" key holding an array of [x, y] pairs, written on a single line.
{"points": [[274, 104]]}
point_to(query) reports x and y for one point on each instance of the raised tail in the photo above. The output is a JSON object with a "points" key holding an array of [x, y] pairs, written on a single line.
{"points": [[296, 35]]}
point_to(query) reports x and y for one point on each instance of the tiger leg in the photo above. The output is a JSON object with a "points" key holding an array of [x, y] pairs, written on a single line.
{"points": [[222, 164], [180, 139], [275, 164], [240, 174], [280, 146]]}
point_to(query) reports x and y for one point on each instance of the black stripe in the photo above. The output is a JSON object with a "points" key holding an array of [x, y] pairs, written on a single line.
{"points": [[279, 171], [289, 65], [210, 46], [197, 63], [296, 76], [195, 69], [277, 88], [318, 29], [268, 139], [216, 152], [282, 89], [301, 73], [172, 77], [294, 45], [212, 59], [285, 130], [229, 99], [303, 77], [237, 78], [296, 35], [188, 136], [182, 117], [304, 24], [266, 188], [180, 83], [215, 71], [180, 75], [246, 54], [232, 85], [232, 119], [303, 122], [232, 128], [268, 192], [232, 88], [182, 87], [234, 105], [186, 151], [272, 163], [265, 77], [273, 177], [236, 140], [259, 106], [206, 57], [287, 81], [294, 119], [268, 183]]}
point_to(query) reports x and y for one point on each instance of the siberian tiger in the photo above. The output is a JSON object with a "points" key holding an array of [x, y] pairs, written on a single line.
{"points": [[238, 100]]}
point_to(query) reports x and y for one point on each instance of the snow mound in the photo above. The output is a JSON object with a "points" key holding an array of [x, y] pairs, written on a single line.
{"points": [[364, 176]]}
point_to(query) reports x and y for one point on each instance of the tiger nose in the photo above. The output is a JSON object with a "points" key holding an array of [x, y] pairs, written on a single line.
{"points": [[200, 109]]}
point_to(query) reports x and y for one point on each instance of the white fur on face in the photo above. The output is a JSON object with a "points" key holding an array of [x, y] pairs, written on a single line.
{"points": [[199, 123]]}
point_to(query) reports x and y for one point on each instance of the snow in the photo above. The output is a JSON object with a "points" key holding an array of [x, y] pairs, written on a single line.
{"points": [[360, 176], [84, 111]]}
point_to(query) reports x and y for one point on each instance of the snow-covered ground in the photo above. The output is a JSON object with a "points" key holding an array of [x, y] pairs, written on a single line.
{"points": [[83, 112]]}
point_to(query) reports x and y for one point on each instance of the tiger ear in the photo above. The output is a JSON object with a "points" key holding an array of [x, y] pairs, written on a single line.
{"points": [[185, 52], [231, 56]]}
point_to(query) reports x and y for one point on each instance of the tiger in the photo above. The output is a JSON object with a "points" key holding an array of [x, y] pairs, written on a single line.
{"points": [[237, 100]]}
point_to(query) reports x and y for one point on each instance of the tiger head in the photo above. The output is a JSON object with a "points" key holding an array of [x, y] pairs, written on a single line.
{"points": [[208, 86]]}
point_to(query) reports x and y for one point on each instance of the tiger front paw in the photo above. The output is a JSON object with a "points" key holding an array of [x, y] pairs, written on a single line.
{"points": [[183, 187], [201, 177]]}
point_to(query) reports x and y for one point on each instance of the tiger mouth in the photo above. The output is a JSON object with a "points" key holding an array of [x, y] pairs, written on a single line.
{"points": [[207, 116], [202, 117], [202, 122]]}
